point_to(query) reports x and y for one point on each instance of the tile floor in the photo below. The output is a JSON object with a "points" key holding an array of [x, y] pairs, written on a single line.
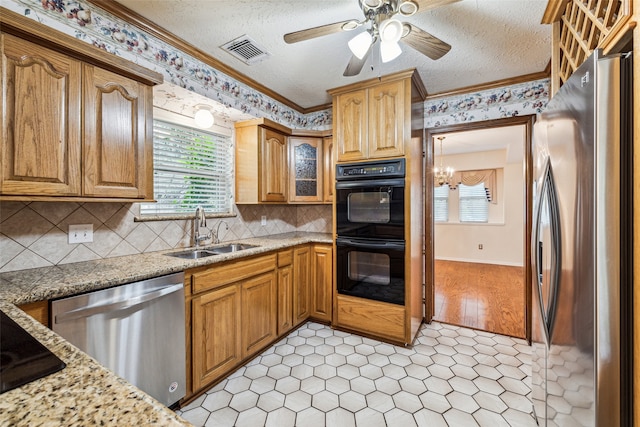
{"points": [[317, 376]]}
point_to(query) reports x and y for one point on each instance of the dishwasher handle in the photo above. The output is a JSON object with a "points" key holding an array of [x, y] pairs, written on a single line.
{"points": [[118, 305]]}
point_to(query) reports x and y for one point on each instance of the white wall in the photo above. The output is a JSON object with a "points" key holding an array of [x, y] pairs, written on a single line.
{"points": [[503, 237]]}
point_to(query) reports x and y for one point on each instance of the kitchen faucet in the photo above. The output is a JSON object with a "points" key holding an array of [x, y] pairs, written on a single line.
{"points": [[200, 221], [216, 236]]}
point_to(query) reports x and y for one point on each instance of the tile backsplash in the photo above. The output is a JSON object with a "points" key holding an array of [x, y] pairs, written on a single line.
{"points": [[35, 234]]}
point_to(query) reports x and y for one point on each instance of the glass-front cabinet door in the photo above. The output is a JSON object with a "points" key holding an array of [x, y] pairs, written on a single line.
{"points": [[305, 173]]}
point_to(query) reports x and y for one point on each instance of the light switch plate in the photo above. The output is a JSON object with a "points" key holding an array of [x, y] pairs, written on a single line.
{"points": [[263, 220], [81, 233]]}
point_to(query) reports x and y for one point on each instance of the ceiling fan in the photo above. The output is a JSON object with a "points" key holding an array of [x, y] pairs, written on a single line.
{"points": [[381, 24]]}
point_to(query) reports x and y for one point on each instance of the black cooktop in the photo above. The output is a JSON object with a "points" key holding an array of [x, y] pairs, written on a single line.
{"points": [[22, 358]]}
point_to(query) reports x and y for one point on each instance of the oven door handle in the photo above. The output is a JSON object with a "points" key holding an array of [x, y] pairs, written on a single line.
{"points": [[368, 244], [364, 183]]}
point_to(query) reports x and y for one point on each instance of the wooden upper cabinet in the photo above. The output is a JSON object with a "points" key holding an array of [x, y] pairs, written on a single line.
{"points": [[41, 148], [115, 126], [262, 164], [351, 125], [305, 172], [329, 169], [75, 127], [273, 182], [373, 119], [386, 120]]}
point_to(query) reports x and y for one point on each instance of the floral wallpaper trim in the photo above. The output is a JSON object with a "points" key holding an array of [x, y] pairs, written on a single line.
{"points": [[92, 25], [508, 101]]}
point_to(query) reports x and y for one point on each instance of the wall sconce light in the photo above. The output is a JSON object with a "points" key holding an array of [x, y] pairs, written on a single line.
{"points": [[203, 116]]}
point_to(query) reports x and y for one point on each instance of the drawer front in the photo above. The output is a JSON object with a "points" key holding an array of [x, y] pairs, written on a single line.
{"points": [[217, 275], [371, 318], [285, 258]]}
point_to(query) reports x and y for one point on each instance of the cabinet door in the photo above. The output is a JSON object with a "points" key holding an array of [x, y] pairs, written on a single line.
{"points": [[259, 312], [41, 109], [114, 151], [285, 299], [329, 169], [273, 170], [350, 113], [305, 173], [386, 120], [216, 343], [321, 282], [301, 284]]}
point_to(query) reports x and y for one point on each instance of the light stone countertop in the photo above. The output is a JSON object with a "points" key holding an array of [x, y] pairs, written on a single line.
{"points": [[39, 284], [85, 393]]}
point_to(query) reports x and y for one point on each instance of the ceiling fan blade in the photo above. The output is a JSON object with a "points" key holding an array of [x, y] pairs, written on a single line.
{"points": [[311, 33], [432, 4], [355, 64], [425, 43]]}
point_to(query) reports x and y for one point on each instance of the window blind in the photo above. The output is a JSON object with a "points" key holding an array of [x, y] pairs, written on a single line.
{"points": [[191, 168], [473, 203], [441, 203]]}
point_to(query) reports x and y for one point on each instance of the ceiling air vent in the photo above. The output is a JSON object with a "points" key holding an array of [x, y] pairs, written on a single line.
{"points": [[246, 49]]}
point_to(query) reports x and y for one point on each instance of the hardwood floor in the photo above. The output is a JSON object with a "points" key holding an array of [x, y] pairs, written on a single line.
{"points": [[481, 296]]}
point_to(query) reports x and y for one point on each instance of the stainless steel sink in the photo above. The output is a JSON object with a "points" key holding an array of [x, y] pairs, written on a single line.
{"points": [[216, 250], [232, 247], [193, 254]]}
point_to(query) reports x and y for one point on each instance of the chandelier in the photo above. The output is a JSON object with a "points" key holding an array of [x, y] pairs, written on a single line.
{"points": [[442, 175]]}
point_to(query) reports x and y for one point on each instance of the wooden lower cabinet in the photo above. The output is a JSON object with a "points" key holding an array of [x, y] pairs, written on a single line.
{"points": [[216, 332], [285, 291], [301, 283], [259, 313], [38, 310], [321, 282], [239, 307]]}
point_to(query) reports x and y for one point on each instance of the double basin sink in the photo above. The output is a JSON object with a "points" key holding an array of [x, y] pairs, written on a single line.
{"points": [[207, 252]]}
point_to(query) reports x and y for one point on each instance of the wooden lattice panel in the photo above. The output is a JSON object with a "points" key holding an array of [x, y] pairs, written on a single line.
{"points": [[583, 27]]}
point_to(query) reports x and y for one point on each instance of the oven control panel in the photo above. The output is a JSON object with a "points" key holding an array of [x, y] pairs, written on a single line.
{"points": [[387, 168]]}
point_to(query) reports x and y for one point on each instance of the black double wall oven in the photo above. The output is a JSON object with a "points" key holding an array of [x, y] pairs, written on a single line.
{"points": [[370, 228]]}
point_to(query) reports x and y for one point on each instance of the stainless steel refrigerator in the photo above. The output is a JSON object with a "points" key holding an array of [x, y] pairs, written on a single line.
{"points": [[581, 249]]}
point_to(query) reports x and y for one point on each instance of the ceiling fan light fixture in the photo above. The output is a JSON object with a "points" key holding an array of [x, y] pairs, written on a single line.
{"points": [[372, 4], [203, 117], [391, 30], [389, 51], [407, 8], [351, 25], [360, 44]]}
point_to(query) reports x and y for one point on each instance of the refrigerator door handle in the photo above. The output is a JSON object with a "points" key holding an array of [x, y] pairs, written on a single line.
{"points": [[547, 211]]}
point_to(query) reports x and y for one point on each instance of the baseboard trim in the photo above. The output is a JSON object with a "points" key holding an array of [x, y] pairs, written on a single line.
{"points": [[481, 261]]}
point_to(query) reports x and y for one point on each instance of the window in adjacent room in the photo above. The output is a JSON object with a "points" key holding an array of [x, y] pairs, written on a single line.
{"points": [[441, 203], [191, 168], [474, 206]]}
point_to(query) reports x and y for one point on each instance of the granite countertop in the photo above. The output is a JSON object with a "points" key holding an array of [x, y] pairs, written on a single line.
{"points": [[63, 398], [39, 284], [83, 393]]}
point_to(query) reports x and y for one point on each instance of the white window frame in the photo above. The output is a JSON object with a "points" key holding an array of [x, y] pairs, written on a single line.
{"points": [[441, 203], [473, 206], [212, 163]]}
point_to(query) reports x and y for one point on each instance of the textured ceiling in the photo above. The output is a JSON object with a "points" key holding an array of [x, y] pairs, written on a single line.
{"points": [[491, 40]]}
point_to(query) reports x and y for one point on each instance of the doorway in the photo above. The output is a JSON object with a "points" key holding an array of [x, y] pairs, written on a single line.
{"points": [[477, 270]]}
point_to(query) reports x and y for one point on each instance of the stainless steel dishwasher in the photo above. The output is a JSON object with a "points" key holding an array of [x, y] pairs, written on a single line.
{"points": [[137, 330]]}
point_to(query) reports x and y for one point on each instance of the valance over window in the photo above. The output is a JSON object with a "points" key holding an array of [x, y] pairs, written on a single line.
{"points": [[475, 177]]}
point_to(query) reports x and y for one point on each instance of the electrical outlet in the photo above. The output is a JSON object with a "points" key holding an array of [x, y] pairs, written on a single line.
{"points": [[81, 233], [263, 220], [480, 246]]}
